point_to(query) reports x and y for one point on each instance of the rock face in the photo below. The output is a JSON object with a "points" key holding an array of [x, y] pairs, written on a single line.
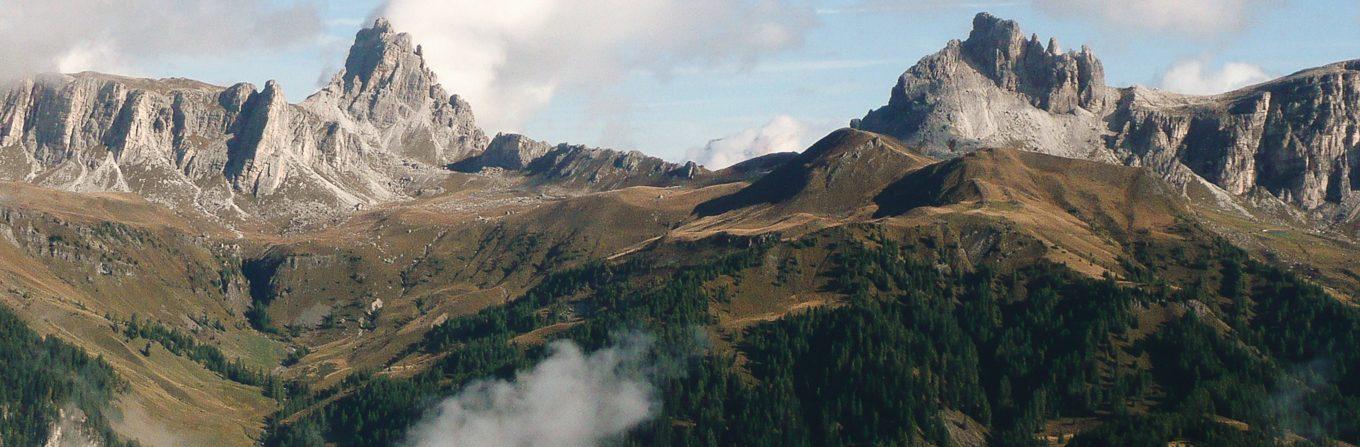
{"points": [[997, 89], [388, 95], [381, 126], [513, 152], [1296, 138], [578, 167], [1051, 80]]}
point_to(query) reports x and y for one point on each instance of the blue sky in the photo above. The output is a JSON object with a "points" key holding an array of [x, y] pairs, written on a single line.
{"points": [[836, 59]]}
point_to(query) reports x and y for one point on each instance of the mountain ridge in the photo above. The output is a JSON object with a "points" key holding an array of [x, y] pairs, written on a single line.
{"points": [[1021, 296], [378, 132], [998, 89]]}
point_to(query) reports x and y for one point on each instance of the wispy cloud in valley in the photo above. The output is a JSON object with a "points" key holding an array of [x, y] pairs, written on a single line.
{"points": [[570, 399]]}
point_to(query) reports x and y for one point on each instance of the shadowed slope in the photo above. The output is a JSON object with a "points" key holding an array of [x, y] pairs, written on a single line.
{"points": [[1116, 197], [836, 175]]}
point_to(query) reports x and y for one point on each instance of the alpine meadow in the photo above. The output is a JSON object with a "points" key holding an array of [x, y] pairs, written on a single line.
{"points": [[1005, 250]]}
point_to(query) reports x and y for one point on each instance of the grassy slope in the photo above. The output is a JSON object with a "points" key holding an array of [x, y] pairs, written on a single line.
{"points": [[440, 258]]}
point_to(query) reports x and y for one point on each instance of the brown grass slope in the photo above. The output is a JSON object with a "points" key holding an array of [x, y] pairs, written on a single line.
{"points": [[834, 176], [1084, 212], [359, 293], [76, 265]]}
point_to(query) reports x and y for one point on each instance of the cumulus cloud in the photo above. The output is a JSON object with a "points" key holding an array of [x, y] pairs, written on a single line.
{"points": [[914, 6], [570, 399], [104, 35], [1193, 76], [782, 134], [1198, 18], [510, 58]]}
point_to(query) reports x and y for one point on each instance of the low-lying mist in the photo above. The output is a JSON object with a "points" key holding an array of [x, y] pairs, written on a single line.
{"points": [[570, 399]]}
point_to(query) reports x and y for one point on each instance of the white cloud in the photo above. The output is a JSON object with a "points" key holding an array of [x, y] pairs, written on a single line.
{"points": [[569, 399], [1192, 76], [915, 6], [781, 134], [104, 35], [510, 58], [1198, 18]]}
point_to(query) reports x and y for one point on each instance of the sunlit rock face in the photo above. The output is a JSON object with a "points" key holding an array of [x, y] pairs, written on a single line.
{"points": [[373, 134], [1295, 138]]}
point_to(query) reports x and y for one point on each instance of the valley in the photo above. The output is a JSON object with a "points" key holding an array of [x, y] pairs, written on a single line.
{"points": [[1065, 263]]}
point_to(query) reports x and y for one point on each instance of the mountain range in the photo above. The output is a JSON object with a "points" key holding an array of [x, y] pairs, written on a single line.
{"points": [[1009, 252]]}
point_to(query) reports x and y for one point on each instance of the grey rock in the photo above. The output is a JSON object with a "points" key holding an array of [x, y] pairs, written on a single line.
{"points": [[1051, 80], [382, 127], [597, 169], [388, 94], [997, 89], [578, 167], [1297, 138], [513, 152]]}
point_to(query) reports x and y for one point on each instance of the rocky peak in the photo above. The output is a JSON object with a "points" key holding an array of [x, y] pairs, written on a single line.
{"points": [[1054, 81], [374, 47], [385, 78], [577, 166], [513, 152], [1294, 138], [998, 87], [255, 158], [386, 87], [380, 130], [991, 35]]}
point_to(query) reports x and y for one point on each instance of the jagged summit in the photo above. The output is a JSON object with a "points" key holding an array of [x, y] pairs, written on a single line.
{"points": [[577, 166], [375, 47], [1054, 81], [384, 70], [377, 133], [386, 89], [997, 89], [1289, 138]]}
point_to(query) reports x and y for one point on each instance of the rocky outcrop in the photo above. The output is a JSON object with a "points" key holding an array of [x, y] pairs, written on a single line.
{"points": [[382, 127], [1052, 80], [513, 152], [1296, 138], [997, 89], [578, 167], [258, 160], [602, 169], [388, 95]]}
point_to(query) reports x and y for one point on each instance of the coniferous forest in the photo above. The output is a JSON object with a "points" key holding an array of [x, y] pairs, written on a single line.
{"points": [[917, 343], [43, 379]]}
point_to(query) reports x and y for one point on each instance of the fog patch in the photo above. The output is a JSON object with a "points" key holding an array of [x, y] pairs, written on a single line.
{"points": [[1196, 77], [782, 134], [570, 399]]}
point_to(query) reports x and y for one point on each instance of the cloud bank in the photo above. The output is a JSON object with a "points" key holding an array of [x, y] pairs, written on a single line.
{"points": [[1195, 18], [1192, 76], [570, 399], [118, 36], [781, 134], [510, 58]]}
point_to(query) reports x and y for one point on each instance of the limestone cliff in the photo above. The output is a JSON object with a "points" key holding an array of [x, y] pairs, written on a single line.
{"points": [[387, 94], [578, 167], [382, 127], [997, 89], [1296, 138]]}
